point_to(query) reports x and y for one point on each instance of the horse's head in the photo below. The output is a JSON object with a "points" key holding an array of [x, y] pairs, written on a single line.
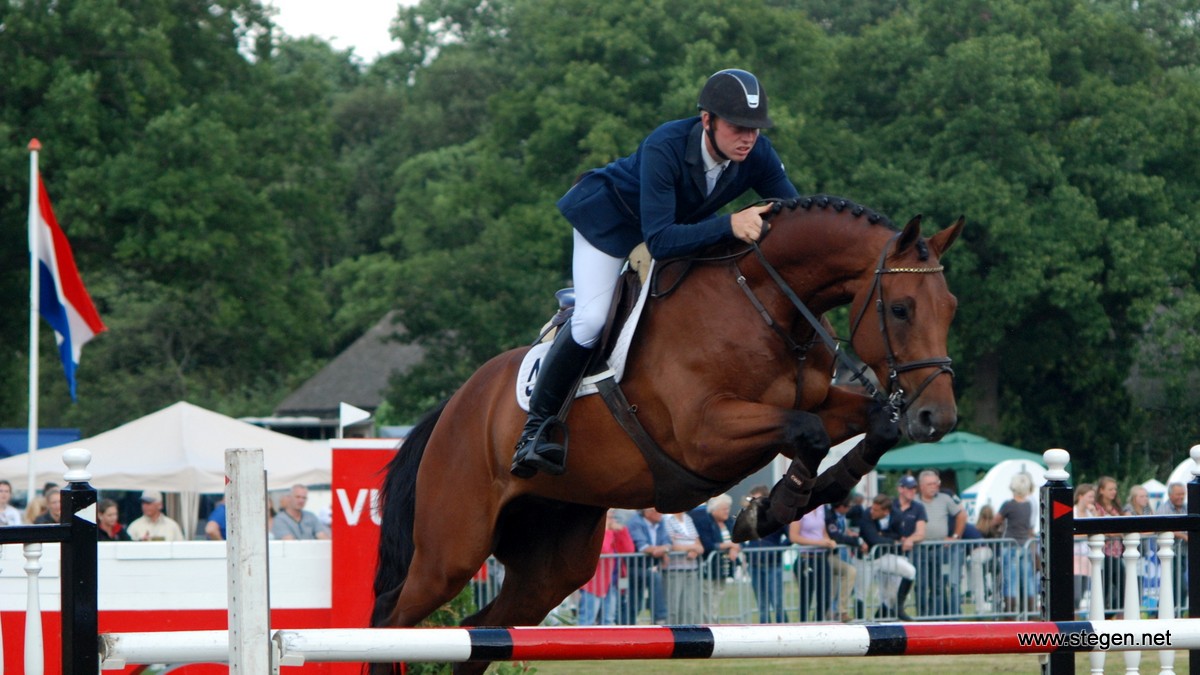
{"points": [[900, 319]]}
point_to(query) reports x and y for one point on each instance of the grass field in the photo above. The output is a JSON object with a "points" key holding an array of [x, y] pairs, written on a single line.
{"points": [[882, 665]]}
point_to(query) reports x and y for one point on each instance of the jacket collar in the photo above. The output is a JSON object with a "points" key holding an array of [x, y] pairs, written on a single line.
{"points": [[695, 166]]}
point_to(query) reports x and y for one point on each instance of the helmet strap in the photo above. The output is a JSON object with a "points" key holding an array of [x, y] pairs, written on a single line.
{"points": [[712, 138]]}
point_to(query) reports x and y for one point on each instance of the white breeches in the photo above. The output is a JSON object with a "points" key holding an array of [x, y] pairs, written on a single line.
{"points": [[893, 568], [595, 276]]}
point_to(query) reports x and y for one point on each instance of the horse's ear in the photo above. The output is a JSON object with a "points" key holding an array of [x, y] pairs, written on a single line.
{"points": [[910, 235], [946, 238]]}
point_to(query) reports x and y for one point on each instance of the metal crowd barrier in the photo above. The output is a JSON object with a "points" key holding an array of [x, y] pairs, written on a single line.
{"points": [[955, 580], [952, 581]]}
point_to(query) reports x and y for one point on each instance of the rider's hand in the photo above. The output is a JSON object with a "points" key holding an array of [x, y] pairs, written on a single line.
{"points": [[748, 224]]}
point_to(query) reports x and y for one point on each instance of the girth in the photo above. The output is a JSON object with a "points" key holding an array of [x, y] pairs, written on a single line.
{"points": [[676, 488]]}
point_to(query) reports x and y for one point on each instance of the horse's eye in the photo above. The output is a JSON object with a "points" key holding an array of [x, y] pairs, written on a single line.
{"points": [[900, 312]]}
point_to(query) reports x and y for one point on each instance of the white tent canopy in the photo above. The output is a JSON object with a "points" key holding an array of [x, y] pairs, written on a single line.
{"points": [[993, 488], [1182, 472], [180, 448]]}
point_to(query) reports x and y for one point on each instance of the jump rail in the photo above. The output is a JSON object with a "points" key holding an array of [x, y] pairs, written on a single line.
{"points": [[298, 647]]}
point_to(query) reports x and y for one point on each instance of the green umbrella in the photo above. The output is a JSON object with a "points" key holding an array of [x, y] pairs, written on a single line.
{"points": [[961, 452]]}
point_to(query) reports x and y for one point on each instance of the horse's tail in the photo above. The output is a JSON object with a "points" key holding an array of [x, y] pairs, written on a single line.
{"points": [[397, 504]]}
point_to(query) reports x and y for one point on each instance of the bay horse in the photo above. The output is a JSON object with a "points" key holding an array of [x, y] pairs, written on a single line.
{"points": [[725, 373]]}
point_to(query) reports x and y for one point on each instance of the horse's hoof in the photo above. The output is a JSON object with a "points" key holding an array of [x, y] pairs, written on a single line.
{"points": [[746, 527]]}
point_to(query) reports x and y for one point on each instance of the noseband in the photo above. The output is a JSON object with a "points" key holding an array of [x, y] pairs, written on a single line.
{"points": [[894, 400]]}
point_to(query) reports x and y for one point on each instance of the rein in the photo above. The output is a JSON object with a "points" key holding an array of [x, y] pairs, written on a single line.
{"points": [[894, 401]]}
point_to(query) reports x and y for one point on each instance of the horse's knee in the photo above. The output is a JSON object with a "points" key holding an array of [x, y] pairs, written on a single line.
{"points": [[805, 433]]}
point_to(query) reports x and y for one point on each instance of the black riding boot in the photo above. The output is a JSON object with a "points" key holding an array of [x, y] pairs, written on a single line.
{"points": [[558, 377], [901, 598]]}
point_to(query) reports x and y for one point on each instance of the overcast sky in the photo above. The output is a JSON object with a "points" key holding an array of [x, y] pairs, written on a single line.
{"points": [[362, 24]]}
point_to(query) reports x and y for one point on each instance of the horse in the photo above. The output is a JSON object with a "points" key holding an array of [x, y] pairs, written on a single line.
{"points": [[725, 373]]}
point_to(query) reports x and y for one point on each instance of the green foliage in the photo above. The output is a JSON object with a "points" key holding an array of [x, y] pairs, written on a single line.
{"points": [[243, 205]]}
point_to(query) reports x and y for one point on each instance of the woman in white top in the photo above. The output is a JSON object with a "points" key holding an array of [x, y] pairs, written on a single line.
{"points": [[683, 570]]}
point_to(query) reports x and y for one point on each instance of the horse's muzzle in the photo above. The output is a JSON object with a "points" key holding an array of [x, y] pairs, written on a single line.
{"points": [[928, 423]]}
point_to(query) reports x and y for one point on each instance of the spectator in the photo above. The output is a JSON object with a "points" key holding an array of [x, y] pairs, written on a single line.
{"points": [[53, 513], [720, 553], [884, 542], [812, 565], [108, 527], [649, 535], [1085, 507], [842, 571], [214, 529], [940, 565], [601, 596], [35, 508], [1016, 517], [764, 558], [1148, 563], [1139, 505], [682, 567], [1175, 504], [293, 522], [154, 525], [1114, 549], [9, 515], [984, 555], [1139, 502]]}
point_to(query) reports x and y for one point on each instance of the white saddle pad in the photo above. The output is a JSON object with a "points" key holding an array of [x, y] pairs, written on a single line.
{"points": [[532, 363]]}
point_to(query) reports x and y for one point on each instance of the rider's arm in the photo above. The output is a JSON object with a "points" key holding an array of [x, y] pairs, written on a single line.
{"points": [[663, 176]]}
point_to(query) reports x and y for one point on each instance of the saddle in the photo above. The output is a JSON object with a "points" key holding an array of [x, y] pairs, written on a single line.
{"points": [[676, 488]]}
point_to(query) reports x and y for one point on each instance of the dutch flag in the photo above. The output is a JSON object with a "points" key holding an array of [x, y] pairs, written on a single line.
{"points": [[62, 301]]}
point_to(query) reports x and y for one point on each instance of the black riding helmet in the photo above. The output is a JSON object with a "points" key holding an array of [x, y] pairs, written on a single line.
{"points": [[736, 96]]}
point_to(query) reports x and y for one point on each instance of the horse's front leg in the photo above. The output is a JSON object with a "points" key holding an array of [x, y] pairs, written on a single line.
{"points": [[845, 414], [802, 437]]}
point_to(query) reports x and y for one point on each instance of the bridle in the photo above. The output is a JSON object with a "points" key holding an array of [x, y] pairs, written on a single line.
{"points": [[895, 399], [941, 364]]}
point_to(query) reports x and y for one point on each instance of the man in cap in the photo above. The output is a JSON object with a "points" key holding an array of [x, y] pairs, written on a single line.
{"points": [[154, 525]]}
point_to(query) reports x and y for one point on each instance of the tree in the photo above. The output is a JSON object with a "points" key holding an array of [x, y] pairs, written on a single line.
{"points": [[174, 160], [1046, 124]]}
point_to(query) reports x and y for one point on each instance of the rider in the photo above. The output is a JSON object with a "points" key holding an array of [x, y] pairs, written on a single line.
{"points": [[665, 194]]}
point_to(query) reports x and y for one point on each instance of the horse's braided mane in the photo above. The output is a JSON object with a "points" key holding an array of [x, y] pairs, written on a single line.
{"points": [[839, 204]]}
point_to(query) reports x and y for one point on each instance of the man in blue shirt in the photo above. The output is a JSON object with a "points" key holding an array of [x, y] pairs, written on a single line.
{"points": [[650, 538], [666, 194]]}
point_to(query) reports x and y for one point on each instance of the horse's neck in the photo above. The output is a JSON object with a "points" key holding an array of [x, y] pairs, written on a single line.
{"points": [[825, 257]]}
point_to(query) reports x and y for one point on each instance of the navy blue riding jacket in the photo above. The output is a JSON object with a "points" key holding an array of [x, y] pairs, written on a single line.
{"points": [[657, 194]]}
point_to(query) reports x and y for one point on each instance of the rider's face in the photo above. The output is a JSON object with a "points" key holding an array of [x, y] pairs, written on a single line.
{"points": [[735, 141]]}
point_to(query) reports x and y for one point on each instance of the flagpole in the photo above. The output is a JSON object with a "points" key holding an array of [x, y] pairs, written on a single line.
{"points": [[34, 295]]}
